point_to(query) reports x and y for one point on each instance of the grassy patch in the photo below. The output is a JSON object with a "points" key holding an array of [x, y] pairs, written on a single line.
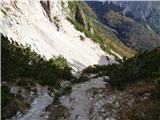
{"points": [[72, 7]]}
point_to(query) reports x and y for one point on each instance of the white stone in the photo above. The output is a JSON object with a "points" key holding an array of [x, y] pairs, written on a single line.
{"points": [[27, 23]]}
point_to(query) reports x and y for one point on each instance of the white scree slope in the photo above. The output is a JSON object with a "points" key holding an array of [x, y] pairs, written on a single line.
{"points": [[27, 23]]}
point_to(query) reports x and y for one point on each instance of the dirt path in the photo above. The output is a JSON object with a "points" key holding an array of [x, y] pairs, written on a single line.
{"points": [[89, 100], [79, 101]]}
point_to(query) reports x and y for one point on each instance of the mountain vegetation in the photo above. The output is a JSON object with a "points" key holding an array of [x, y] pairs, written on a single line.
{"points": [[132, 33], [142, 66], [139, 75], [126, 88], [95, 30], [135, 33], [26, 68], [20, 61]]}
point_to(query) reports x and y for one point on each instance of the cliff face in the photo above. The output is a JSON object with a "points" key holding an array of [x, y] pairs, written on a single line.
{"points": [[43, 26]]}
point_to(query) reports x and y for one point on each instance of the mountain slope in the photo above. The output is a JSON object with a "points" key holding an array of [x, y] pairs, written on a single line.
{"points": [[137, 27], [139, 79], [36, 85], [43, 26], [85, 20], [144, 10]]}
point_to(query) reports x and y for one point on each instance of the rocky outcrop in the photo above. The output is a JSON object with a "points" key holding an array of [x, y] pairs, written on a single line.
{"points": [[79, 17], [46, 6]]}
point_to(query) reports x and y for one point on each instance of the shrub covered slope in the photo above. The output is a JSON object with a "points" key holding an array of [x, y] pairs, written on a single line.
{"points": [[140, 77], [26, 68]]}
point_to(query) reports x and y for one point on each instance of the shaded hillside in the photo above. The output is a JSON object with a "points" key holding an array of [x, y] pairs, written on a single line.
{"points": [[137, 32], [148, 11]]}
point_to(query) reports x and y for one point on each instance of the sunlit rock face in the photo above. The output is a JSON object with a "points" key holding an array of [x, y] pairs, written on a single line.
{"points": [[43, 26]]}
